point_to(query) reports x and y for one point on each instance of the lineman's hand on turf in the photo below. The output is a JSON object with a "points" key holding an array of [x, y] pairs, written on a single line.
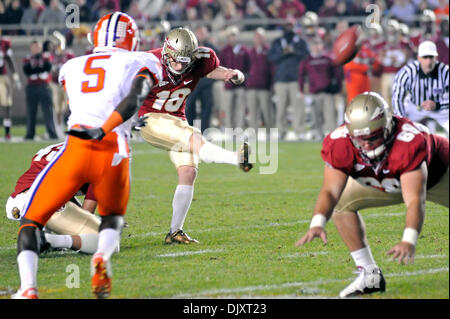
{"points": [[311, 234], [404, 252], [87, 133]]}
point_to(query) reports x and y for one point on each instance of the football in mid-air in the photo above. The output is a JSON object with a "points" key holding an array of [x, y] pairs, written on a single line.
{"points": [[346, 45]]}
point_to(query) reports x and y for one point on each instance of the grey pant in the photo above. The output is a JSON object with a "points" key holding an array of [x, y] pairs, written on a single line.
{"points": [[234, 107], [324, 110], [39, 94], [258, 103], [287, 93]]}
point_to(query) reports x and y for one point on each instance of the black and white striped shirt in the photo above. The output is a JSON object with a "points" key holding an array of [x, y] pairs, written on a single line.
{"points": [[411, 80]]}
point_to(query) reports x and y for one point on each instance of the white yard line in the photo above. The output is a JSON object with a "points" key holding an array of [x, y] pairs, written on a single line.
{"points": [[188, 253], [248, 289]]}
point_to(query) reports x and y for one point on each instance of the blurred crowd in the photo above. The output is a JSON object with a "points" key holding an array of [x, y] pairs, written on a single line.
{"points": [[291, 81]]}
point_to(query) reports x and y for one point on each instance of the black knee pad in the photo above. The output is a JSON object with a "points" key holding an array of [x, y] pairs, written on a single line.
{"points": [[113, 221], [29, 237]]}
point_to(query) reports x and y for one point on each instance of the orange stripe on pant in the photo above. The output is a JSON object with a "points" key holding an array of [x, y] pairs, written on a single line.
{"points": [[83, 161]]}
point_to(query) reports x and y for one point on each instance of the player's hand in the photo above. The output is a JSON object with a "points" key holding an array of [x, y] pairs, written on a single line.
{"points": [[404, 252], [238, 77], [137, 125], [17, 82], [86, 133], [428, 105], [311, 234]]}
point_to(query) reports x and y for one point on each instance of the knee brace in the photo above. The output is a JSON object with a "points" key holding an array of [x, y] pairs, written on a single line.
{"points": [[29, 237], [112, 221]]}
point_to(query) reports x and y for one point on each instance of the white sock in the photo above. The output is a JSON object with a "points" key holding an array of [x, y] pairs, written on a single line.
{"points": [[182, 200], [108, 239], [363, 257], [89, 243], [28, 265], [59, 241], [211, 153]]}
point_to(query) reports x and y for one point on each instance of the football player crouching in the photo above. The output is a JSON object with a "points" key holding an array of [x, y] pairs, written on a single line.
{"points": [[74, 226], [377, 159]]}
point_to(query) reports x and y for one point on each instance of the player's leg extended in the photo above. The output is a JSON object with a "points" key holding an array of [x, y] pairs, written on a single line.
{"points": [[351, 228]]}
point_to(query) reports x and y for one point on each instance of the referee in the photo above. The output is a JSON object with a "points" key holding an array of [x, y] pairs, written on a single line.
{"points": [[421, 88]]}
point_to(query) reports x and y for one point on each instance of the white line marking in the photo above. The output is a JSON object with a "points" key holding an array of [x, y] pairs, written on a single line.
{"points": [[187, 253], [311, 254], [306, 283]]}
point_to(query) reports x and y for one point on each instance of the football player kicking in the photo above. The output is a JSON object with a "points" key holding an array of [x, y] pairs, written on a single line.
{"points": [[374, 160], [105, 89], [184, 63], [73, 226]]}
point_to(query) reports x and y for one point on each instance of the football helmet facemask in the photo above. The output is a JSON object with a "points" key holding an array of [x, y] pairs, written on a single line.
{"points": [[180, 46], [115, 31], [369, 122]]}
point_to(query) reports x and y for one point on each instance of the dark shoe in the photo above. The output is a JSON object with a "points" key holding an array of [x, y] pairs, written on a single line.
{"points": [[179, 237]]}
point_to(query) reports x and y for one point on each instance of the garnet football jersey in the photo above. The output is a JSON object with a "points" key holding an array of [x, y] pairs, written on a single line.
{"points": [[169, 98], [5, 50], [38, 162], [411, 146]]}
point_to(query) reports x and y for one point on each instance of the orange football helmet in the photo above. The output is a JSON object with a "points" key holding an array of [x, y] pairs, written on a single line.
{"points": [[115, 30]]}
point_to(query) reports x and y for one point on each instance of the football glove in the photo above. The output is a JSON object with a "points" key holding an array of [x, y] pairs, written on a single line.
{"points": [[137, 125], [86, 133]]}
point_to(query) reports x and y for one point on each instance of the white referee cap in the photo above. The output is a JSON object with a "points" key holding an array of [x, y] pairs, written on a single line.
{"points": [[427, 48]]}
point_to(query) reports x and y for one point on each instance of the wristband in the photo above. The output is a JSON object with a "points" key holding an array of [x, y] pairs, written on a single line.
{"points": [[318, 220], [113, 120], [410, 235]]}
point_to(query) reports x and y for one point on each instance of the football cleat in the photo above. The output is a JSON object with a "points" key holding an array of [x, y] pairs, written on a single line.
{"points": [[179, 237], [369, 280], [244, 154], [101, 277], [30, 293]]}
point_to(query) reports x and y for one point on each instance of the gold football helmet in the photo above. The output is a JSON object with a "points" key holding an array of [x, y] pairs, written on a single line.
{"points": [[368, 118], [180, 46]]}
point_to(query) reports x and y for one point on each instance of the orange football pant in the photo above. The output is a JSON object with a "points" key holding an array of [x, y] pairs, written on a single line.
{"points": [[79, 162]]}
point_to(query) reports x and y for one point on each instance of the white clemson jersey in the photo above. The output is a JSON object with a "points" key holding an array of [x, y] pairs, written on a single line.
{"points": [[96, 83]]}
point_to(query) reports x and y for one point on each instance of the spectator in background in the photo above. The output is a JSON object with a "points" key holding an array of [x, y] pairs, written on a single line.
{"points": [[37, 67], [31, 14], [174, 10], [107, 6], [426, 30], [6, 96], [374, 43], [318, 71], [206, 9], [86, 15], [55, 14], [286, 53], [393, 54], [13, 15], [442, 41], [234, 56], [258, 82], [204, 90], [329, 9], [404, 11], [253, 11], [59, 55], [291, 8]]}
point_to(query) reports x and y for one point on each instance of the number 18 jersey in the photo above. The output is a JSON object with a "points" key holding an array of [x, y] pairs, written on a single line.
{"points": [[167, 97]]}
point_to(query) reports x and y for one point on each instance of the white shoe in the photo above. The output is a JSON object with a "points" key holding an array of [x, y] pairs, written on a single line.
{"points": [[369, 280], [30, 293]]}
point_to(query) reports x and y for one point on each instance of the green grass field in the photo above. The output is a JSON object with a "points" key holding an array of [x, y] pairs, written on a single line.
{"points": [[247, 225]]}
